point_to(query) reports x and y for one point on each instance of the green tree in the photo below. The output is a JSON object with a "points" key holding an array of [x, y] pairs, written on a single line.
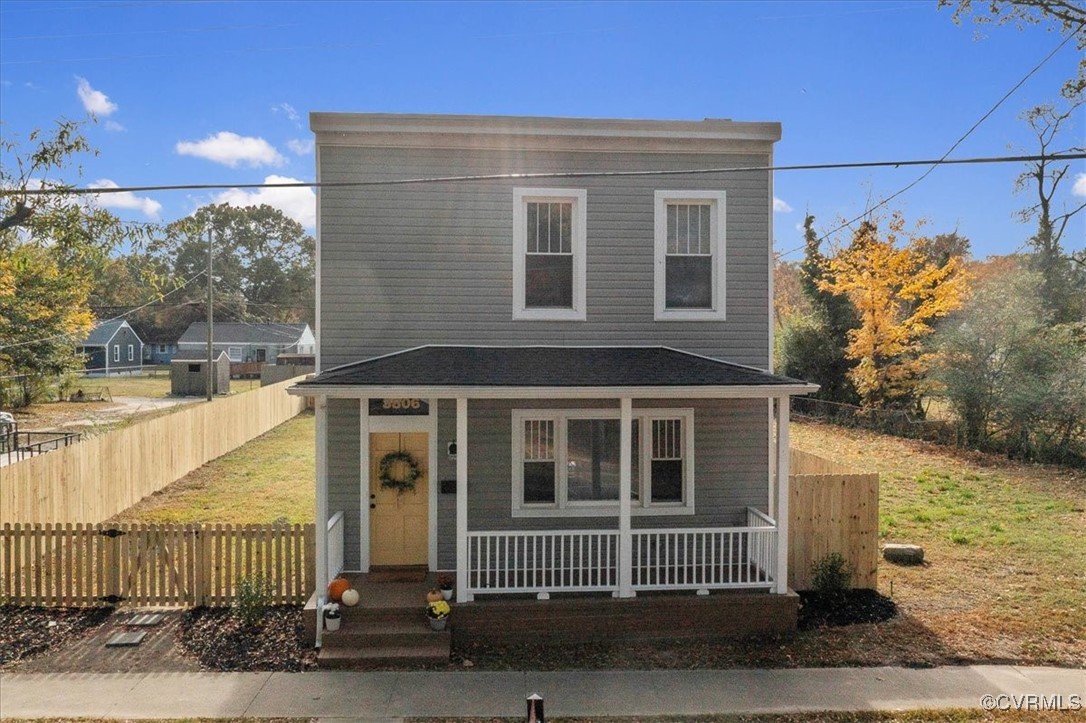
{"points": [[52, 247], [263, 261], [1068, 15], [812, 347], [1064, 282]]}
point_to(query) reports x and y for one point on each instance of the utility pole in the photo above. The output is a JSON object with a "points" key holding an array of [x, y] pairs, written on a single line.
{"points": [[210, 322]]}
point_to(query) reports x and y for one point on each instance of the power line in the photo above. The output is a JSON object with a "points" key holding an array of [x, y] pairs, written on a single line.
{"points": [[943, 159], [547, 174], [103, 321]]}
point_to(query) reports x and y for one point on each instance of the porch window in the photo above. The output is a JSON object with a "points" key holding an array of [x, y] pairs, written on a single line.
{"points": [[690, 235], [549, 254], [566, 462]]}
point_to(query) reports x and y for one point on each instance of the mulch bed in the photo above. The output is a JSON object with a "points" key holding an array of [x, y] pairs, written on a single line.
{"points": [[27, 631], [219, 641], [849, 607]]}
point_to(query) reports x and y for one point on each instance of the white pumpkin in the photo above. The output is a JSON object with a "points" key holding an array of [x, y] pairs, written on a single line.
{"points": [[350, 597]]}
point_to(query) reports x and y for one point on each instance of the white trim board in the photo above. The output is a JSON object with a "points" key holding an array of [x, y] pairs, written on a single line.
{"points": [[343, 391]]}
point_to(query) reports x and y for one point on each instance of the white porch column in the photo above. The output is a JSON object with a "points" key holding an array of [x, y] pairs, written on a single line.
{"points": [[321, 563], [783, 494], [364, 492], [462, 592], [625, 536]]}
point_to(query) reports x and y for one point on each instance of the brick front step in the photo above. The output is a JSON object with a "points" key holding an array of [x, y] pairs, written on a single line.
{"points": [[431, 647]]}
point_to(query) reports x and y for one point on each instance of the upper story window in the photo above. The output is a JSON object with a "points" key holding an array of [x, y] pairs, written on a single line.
{"points": [[689, 245], [566, 462], [549, 254]]}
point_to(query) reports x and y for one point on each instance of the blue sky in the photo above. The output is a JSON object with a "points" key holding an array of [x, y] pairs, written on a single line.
{"points": [[219, 92]]}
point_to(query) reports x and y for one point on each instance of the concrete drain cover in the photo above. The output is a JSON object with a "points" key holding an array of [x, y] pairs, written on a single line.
{"points": [[125, 640], [146, 620]]}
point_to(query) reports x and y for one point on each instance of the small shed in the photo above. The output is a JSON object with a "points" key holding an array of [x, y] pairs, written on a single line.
{"points": [[188, 373]]}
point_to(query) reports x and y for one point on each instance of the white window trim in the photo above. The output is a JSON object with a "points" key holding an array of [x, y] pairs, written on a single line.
{"points": [[232, 351], [718, 244], [642, 506], [116, 352], [131, 352], [521, 197]]}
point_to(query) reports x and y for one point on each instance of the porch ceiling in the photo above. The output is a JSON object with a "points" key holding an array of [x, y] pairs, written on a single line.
{"points": [[549, 371]]}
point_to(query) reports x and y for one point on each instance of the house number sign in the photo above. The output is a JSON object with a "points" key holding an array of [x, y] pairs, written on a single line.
{"points": [[398, 407]]}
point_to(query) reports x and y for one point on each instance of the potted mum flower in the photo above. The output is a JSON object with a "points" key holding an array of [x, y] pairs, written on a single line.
{"points": [[445, 583], [438, 614], [331, 616]]}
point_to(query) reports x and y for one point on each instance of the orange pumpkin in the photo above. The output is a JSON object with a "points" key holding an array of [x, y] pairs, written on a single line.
{"points": [[434, 595], [337, 587]]}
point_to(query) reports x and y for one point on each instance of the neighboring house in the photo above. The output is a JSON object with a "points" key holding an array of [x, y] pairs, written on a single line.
{"points": [[245, 342], [159, 351], [112, 347], [188, 373], [582, 362]]}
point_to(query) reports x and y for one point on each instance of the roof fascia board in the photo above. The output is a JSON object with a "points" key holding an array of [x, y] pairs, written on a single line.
{"points": [[756, 391], [574, 144], [526, 126]]}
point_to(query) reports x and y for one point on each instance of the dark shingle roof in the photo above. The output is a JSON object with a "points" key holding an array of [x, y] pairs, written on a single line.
{"points": [[537, 366], [231, 332], [101, 334]]}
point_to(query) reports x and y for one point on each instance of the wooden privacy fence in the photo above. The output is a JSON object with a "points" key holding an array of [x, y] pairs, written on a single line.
{"points": [[153, 565], [104, 475], [833, 508]]}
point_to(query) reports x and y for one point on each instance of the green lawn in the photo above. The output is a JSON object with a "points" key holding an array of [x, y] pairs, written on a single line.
{"points": [[270, 478], [126, 385]]}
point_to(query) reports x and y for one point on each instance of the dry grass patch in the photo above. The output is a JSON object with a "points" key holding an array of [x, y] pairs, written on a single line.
{"points": [[268, 479], [1005, 545]]}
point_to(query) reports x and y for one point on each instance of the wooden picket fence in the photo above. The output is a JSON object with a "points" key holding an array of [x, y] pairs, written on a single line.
{"points": [[144, 565], [104, 475]]}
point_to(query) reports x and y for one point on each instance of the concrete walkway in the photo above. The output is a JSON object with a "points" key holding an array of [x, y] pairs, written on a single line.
{"points": [[389, 696]]}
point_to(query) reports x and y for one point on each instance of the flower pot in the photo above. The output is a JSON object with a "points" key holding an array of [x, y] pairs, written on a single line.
{"points": [[447, 594], [331, 623], [438, 623]]}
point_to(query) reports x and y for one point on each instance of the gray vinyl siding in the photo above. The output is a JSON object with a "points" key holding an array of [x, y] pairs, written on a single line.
{"points": [[403, 266], [730, 468], [344, 479]]}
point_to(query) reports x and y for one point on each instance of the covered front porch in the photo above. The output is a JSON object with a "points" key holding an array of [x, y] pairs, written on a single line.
{"points": [[512, 540]]}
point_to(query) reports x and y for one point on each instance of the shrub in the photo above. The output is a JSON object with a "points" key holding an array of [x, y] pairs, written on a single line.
{"points": [[253, 599], [832, 574]]}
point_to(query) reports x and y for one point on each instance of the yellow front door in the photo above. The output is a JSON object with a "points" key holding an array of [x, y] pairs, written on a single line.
{"points": [[399, 521]]}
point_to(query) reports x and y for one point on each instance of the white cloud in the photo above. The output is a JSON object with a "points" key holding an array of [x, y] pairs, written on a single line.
{"points": [[288, 110], [780, 206], [115, 127], [95, 102], [230, 149], [300, 146], [5, 83], [298, 203], [149, 207], [1079, 189]]}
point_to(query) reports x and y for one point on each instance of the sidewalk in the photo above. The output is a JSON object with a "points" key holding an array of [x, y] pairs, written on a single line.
{"points": [[385, 696]]}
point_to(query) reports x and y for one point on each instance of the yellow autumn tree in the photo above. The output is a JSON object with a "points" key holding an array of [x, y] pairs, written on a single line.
{"points": [[898, 293]]}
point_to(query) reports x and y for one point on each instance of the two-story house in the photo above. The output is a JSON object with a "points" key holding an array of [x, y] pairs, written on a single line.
{"points": [[543, 354]]}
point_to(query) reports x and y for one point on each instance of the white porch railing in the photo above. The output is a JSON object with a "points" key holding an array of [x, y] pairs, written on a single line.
{"points": [[519, 562], [335, 545], [588, 560]]}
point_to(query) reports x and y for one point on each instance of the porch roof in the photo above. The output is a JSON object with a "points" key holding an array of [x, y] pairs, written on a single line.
{"points": [[524, 370]]}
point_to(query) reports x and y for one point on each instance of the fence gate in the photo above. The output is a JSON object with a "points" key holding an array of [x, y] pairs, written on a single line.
{"points": [[153, 565]]}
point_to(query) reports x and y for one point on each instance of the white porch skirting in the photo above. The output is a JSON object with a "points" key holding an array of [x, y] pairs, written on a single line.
{"points": [[696, 558]]}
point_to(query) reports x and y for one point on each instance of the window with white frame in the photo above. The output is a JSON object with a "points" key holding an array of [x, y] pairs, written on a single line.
{"points": [[116, 352], [566, 462], [689, 249], [549, 253], [234, 353], [131, 352]]}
